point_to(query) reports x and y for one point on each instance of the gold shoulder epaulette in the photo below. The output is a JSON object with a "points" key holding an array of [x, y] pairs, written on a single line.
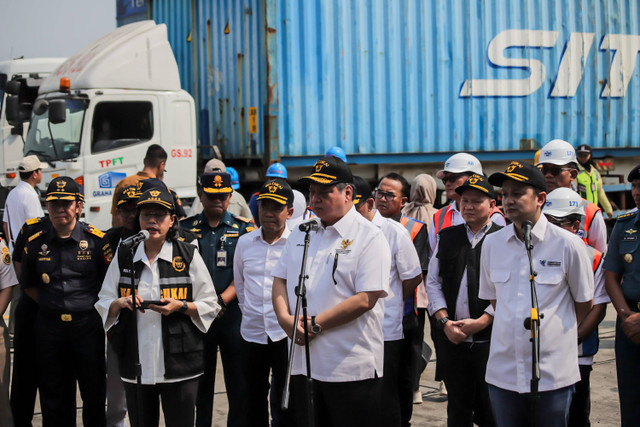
{"points": [[627, 215], [250, 228], [91, 229], [32, 221], [35, 236], [243, 219]]}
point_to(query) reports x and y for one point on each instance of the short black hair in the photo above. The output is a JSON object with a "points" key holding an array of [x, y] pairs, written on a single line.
{"points": [[27, 175], [406, 188], [155, 155]]}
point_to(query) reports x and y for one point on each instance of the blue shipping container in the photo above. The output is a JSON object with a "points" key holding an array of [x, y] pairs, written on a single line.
{"points": [[408, 81]]}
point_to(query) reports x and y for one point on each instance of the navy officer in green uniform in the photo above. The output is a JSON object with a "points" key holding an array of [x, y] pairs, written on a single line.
{"points": [[622, 281], [218, 231], [62, 270]]}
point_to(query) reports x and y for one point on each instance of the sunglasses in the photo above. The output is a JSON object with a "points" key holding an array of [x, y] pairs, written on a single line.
{"points": [[452, 178], [553, 170], [158, 216], [213, 197]]}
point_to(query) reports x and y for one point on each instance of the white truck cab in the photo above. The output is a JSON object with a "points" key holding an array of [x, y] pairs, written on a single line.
{"points": [[11, 138], [121, 94]]}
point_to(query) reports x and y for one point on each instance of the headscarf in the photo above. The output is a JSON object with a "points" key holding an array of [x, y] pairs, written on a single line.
{"points": [[422, 196]]}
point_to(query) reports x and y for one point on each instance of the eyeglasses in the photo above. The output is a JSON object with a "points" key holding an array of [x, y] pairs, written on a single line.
{"points": [[387, 195], [553, 170], [452, 178], [222, 196], [158, 216], [558, 222]]}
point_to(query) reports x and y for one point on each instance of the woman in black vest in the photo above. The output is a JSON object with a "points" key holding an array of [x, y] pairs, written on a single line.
{"points": [[177, 303]]}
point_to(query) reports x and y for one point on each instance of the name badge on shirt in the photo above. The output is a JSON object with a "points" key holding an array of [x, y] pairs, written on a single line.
{"points": [[629, 238], [221, 258]]}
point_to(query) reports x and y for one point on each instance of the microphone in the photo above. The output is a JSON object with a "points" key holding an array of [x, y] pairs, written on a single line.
{"points": [[313, 225], [526, 231], [136, 238]]}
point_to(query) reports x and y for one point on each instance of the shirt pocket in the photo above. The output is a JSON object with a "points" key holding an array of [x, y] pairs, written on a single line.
{"points": [[628, 247], [549, 278], [499, 277]]}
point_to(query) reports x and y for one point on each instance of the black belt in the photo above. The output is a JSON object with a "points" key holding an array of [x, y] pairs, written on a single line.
{"points": [[633, 305], [68, 317]]}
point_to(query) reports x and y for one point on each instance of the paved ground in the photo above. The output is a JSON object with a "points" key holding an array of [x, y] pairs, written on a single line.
{"points": [[604, 398]]}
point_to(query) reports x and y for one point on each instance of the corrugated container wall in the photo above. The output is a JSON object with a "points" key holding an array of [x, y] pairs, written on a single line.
{"points": [[412, 80]]}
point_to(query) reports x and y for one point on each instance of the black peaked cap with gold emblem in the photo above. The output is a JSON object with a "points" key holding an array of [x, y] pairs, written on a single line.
{"points": [[329, 171], [521, 172], [362, 189], [156, 196], [216, 182], [477, 182], [128, 193], [62, 188], [280, 192]]}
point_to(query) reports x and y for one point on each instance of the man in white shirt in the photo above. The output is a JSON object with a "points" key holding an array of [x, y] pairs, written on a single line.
{"points": [[348, 264], [565, 209], [564, 287], [405, 276], [23, 202], [463, 321], [264, 342]]}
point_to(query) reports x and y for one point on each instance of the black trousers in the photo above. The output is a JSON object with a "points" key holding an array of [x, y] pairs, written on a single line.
{"points": [[70, 351], [178, 403], [24, 380], [410, 354], [580, 408], [391, 383], [344, 404], [463, 367], [224, 334], [259, 361]]}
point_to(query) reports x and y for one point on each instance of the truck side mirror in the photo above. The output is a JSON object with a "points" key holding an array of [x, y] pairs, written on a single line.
{"points": [[57, 111], [13, 109], [13, 87]]}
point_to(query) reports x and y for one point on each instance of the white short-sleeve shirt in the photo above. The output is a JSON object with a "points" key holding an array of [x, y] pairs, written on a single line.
{"points": [[405, 265], [343, 259], [149, 323], [564, 276], [252, 264], [22, 204]]}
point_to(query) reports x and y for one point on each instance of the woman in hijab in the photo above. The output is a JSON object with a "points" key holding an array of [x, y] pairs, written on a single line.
{"points": [[422, 196]]}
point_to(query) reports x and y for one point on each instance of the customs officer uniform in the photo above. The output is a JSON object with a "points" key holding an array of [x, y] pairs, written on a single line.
{"points": [[623, 259], [67, 274], [217, 247]]}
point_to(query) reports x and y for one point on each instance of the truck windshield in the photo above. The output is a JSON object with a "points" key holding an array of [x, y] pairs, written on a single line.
{"points": [[66, 136]]}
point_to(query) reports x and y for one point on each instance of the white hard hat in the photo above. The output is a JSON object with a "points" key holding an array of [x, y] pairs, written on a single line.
{"points": [[557, 152], [563, 202], [461, 162]]}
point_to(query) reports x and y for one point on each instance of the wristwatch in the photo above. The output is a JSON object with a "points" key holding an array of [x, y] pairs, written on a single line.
{"points": [[315, 328], [184, 307], [442, 322]]}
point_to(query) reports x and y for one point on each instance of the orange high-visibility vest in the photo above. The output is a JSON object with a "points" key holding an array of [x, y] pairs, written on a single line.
{"points": [[442, 219], [591, 209]]}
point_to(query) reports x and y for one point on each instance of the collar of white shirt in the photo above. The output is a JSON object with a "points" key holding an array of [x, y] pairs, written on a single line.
{"points": [[378, 219], [166, 253], [345, 224], [284, 236], [537, 232]]}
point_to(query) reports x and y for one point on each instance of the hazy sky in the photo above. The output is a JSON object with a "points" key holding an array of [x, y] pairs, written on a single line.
{"points": [[41, 28]]}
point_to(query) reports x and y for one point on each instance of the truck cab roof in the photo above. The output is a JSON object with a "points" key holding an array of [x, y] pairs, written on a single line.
{"points": [[134, 56]]}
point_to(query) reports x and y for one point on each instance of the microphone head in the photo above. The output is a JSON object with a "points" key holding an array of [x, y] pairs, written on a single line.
{"points": [[312, 225], [144, 234], [527, 224]]}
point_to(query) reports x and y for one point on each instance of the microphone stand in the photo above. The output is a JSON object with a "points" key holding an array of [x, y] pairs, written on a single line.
{"points": [[301, 292], [137, 365], [533, 323]]}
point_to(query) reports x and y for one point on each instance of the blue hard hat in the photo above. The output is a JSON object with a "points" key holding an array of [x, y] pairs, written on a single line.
{"points": [[336, 152], [277, 170], [235, 178]]}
